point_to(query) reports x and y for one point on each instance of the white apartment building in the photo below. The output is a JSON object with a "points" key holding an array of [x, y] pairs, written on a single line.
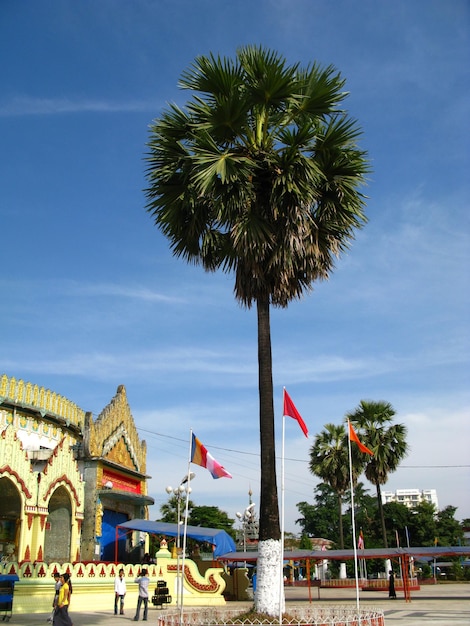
{"points": [[411, 497]]}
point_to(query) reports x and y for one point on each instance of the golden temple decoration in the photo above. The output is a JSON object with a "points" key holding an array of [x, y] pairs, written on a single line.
{"points": [[120, 454], [41, 399], [114, 435]]}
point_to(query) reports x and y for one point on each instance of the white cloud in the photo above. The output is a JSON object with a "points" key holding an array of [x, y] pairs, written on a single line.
{"points": [[121, 291], [28, 105]]}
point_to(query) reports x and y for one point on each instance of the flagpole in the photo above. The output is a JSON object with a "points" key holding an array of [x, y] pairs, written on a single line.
{"points": [[185, 528], [281, 573], [290, 410], [353, 519]]}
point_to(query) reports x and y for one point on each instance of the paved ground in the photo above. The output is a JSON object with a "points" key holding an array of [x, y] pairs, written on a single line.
{"points": [[433, 605]]}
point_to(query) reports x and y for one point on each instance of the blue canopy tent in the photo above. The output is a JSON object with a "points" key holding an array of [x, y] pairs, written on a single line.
{"points": [[221, 540]]}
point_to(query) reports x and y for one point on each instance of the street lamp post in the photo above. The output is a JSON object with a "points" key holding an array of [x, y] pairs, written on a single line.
{"points": [[246, 518], [183, 490]]}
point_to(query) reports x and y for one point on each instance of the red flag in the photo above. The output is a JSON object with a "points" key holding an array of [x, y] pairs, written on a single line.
{"points": [[291, 411], [353, 437]]}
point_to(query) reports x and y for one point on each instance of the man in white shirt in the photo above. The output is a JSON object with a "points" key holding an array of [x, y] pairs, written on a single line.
{"points": [[143, 583], [119, 592]]}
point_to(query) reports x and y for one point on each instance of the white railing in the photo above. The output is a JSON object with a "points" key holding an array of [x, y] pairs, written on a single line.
{"points": [[327, 616]]}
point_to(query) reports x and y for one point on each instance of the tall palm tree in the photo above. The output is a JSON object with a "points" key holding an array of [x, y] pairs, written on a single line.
{"points": [[329, 460], [387, 441], [259, 175]]}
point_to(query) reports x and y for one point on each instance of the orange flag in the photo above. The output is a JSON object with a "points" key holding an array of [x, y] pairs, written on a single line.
{"points": [[353, 437]]}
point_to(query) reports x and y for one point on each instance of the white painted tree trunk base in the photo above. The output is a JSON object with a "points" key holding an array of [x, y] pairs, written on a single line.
{"points": [[269, 594]]}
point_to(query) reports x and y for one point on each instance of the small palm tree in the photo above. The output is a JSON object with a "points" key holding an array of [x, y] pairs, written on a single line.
{"points": [[259, 175], [373, 421], [169, 510], [329, 460]]}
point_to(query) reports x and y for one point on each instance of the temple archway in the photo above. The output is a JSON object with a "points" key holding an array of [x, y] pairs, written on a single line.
{"points": [[58, 527], [10, 514]]}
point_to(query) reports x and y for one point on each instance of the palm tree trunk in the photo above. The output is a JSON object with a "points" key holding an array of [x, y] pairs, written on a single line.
{"points": [[269, 597], [269, 527], [381, 513]]}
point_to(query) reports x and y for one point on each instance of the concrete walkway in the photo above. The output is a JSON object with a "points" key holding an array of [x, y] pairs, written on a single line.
{"points": [[434, 605]]}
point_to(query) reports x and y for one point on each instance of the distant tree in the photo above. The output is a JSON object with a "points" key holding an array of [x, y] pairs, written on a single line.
{"points": [[211, 517], [329, 460], [373, 421], [397, 518], [422, 528], [365, 516], [365, 506], [305, 542], [259, 176], [449, 531], [361, 496], [321, 518], [457, 571]]}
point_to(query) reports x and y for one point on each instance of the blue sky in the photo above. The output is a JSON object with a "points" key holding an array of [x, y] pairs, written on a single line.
{"points": [[92, 297]]}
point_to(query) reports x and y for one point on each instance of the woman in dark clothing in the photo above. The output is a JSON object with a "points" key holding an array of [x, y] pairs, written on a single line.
{"points": [[391, 585]]}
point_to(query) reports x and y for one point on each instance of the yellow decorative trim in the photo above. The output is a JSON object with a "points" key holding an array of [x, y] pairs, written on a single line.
{"points": [[40, 399]]}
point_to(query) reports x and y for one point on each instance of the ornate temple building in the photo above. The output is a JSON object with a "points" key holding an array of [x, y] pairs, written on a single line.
{"points": [[67, 481]]}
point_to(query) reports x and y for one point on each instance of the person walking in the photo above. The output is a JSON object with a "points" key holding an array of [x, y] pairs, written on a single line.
{"points": [[61, 615], [119, 592], [57, 586], [143, 583], [391, 585]]}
